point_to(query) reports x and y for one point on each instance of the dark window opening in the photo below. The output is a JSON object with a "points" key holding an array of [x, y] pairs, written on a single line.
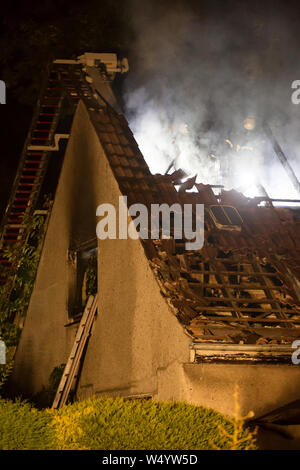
{"points": [[83, 276]]}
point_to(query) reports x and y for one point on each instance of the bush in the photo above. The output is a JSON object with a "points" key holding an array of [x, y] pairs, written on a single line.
{"points": [[45, 397], [118, 424], [22, 427], [5, 371]]}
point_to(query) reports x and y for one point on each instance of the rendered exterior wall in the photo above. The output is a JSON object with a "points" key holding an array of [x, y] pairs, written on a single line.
{"points": [[262, 387], [134, 333]]}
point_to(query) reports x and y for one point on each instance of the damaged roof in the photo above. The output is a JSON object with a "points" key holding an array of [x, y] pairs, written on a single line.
{"points": [[243, 285]]}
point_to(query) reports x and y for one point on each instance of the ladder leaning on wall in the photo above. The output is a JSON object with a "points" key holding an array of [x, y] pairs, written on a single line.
{"points": [[72, 365]]}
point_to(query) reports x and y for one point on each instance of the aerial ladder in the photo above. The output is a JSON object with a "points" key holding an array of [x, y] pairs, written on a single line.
{"points": [[67, 82], [85, 78]]}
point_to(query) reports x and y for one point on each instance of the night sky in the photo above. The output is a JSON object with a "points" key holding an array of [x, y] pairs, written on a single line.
{"points": [[32, 34], [35, 32]]}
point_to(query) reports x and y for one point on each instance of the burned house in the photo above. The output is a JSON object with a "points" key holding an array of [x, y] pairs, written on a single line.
{"points": [[171, 323]]}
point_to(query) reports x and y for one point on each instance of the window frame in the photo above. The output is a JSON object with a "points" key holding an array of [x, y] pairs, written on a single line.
{"points": [[76, 279], [230, 226]]}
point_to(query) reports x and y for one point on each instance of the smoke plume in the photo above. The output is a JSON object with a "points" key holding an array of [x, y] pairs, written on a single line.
{"points": [[205, 77]]}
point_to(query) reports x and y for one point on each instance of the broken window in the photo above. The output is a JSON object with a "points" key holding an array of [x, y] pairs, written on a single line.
{"points": [[226, 217], [82, 276]]}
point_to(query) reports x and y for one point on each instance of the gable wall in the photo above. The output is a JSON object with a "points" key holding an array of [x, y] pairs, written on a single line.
{"points": [[135, 338]]}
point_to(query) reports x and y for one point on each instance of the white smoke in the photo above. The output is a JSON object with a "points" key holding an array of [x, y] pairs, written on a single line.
{"points": [[197, 75]]}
